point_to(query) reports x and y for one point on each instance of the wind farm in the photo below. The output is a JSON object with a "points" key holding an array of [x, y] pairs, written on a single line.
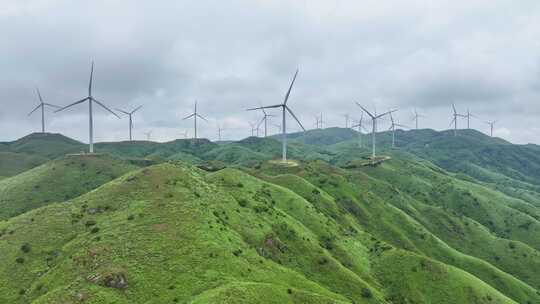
{"points": [[267, 152]]}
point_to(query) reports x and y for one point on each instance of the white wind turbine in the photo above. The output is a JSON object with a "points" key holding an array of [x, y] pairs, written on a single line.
{"points": [[346, 120], [148, 135], [91, 101], [220, 129], [284, 108], [265, 120], [130, 114], [42, 105], [416, 117], [374, 118], [360, 127], [491, 124], [393, 129], [195, 114], [468, 116], [455, 119], [184, 134]]}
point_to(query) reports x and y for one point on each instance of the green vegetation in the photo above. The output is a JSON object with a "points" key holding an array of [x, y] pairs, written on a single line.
{"points": [[57, 181], [228, 224]]}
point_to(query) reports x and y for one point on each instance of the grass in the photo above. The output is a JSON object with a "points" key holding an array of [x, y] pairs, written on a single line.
{"points": [[417, 228]]}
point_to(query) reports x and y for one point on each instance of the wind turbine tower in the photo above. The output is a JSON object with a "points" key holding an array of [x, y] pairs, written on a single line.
{"points": [[346, 120], [284, 108], [195, 114], [265, 120], [148, 135], [455, 119], [130, 114], [360, 128], [393, 129], [416, 117], [91, 101], [491, 124], [374, 118], [42, 105]]}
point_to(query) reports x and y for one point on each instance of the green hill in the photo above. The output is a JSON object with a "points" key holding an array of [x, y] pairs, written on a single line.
{"points": [[445, 220], [57, 181], [14, 163], [223, 237], [48, 145]]}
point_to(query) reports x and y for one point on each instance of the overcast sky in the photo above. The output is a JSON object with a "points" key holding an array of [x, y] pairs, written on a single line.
{"points": [[231, 55]]}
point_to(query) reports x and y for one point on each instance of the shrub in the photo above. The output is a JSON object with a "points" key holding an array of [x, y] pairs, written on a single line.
{"points": [[26, 248], [237, 252], [239, 185], [131, 217], [366, 293], [19, 260], [242, 202], [90, 223], [94, 230], [289, 291]]}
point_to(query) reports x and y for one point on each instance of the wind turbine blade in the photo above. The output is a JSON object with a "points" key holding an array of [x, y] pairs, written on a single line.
{"points": [[189, 116], [266, 107], [290, 88], [386, 113], [452, 121], [105, 107], [454, 107], [70, 105], [39, 105], [127, 113], [51, 105], [201, 117], [39, 95], [365, 110], [91, 78], [136, 109], [296, 118]]}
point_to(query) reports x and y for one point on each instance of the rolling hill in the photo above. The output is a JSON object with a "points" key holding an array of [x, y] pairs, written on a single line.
{"points": [[57, 181], [445, 220]]}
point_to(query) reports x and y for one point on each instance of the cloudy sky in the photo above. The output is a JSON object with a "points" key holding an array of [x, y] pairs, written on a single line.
{"points": [[231, 55]]}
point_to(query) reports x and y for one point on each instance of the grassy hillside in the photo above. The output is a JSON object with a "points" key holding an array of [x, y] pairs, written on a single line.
{"points": [[14, 163], [57, 181], [48, 145], [445, 220], [175, 234]]}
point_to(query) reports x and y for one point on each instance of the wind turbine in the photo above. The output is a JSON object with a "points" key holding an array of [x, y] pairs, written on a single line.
{"points": [[254, 128], [284, 107], [220, 129], [184, 134], [374, 118], [195, 115], [129, 114], [148, 135], [91, 101], [360, 128], [491, 124], [393, 129], [265, 120], [468, 116], [278, 126], [416, 116], [454, 120], [42, 105], [346, 120]]}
